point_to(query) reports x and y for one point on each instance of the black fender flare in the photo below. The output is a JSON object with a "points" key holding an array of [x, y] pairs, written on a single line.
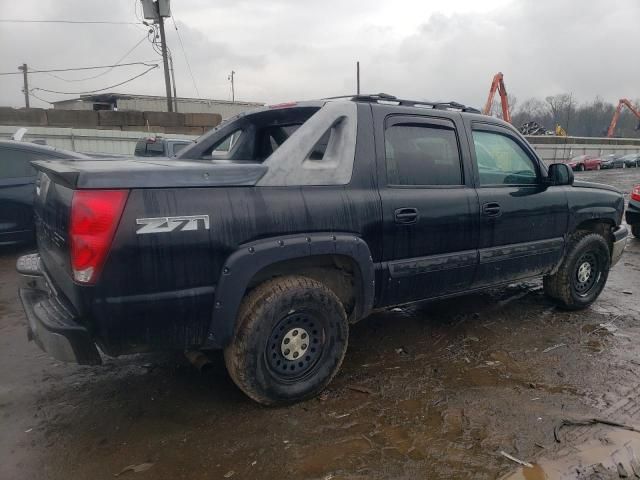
{"points": [[252, 257], [606, 214]]}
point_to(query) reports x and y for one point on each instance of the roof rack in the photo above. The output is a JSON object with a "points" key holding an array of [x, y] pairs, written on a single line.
{"points": [[385, 98]]}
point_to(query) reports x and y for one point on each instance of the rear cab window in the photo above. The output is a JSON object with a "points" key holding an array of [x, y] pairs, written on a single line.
{"points": [[312, 143]]}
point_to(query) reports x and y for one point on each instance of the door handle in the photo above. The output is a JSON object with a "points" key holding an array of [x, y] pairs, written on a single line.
{"points": [[406, 216], [491, 209]]}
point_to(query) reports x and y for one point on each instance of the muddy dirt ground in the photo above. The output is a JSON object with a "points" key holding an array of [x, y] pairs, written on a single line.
{"points": [[432, 391]]}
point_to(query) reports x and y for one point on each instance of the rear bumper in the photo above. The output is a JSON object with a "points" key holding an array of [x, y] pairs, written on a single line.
{"points": [[51, 324], [619, 242]]}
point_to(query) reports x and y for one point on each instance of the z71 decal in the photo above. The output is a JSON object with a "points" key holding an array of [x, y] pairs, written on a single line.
{"points": [[170, 224]]}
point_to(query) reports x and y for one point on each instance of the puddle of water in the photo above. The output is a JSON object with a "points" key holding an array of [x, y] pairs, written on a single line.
{"points": [[605, 455], [321, 459], [535, 473]]}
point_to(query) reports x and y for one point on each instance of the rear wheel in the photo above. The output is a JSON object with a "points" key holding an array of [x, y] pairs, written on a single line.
{"points": [[582, 273], [581, 168], [290, 341], [635, 229]]}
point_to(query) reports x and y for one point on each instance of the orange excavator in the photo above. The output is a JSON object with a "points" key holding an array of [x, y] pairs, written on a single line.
{"points": [[497, 85], [614, 121]]}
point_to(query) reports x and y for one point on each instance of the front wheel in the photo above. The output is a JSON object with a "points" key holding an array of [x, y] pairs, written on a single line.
{"points": [[635, 229], [581, 168], [582, 273], [290, 340]]}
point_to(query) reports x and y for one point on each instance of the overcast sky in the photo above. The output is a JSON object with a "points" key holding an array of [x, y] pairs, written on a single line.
{"points": [[300, 49]]}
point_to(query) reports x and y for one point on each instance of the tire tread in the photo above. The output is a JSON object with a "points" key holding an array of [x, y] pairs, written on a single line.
{"points": [[250, 318], [558, 285]]}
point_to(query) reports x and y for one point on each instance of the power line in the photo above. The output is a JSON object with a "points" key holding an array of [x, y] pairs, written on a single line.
{"points": [[146, 63], [80, 22], [99, 89], [109, 69], [37, 97], [184, 52]]}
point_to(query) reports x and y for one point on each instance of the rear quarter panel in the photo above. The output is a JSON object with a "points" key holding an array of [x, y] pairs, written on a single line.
{"points": [[157, 289]]}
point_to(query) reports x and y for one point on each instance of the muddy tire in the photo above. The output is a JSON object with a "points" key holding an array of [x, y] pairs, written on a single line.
{"points": [[290, 340], [635, 229], [582, 273]]}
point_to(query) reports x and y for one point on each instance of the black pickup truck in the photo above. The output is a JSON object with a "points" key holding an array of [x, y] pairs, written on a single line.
{"points": [[273, 232]]}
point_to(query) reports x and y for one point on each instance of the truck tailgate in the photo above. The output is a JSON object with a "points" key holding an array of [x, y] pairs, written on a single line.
{"points": [[52, 210]]}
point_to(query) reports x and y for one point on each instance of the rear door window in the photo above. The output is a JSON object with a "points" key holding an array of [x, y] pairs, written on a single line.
{"points": [[422, 154]]}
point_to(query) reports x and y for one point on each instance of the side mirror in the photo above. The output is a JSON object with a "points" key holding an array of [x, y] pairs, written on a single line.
{"points": [[560, 174]]}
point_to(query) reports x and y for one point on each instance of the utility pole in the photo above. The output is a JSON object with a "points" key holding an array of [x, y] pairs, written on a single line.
{"points": [[165, 60], [25, 87], [233, 91], [358, 78], [173, 80]]}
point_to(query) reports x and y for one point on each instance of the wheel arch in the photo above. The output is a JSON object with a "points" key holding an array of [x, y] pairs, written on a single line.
{"points": [[339, 260], [602, 226]]}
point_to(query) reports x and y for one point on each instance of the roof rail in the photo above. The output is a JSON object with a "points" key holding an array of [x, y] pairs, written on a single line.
{"points": [[385, 98]]}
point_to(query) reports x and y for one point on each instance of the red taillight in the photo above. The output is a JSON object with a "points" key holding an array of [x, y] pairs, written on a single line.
{"points": [[635, 193], [94, 217]]}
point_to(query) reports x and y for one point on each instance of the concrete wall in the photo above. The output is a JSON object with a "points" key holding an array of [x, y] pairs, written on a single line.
{"points": [[559, 149], [156, 122], [84, 140], [122, 141]]}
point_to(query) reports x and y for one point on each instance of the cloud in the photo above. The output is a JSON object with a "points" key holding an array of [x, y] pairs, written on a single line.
{"points": [[287, 49]]}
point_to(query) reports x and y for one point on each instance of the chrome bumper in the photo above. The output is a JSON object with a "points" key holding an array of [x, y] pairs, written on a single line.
{"points": [[619, 242]]}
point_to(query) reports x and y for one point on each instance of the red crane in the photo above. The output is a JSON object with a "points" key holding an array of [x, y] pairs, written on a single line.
{"points": [[616, 115], [498, 85]]}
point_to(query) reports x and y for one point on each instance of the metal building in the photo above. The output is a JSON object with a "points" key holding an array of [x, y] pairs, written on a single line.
{"points": [[151, 103]]}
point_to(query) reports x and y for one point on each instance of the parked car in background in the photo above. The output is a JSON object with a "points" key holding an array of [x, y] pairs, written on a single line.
{"points": [[632, 160], [157, 146], [585, 162], [633, 211], [17, 179], [612, 161]]}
